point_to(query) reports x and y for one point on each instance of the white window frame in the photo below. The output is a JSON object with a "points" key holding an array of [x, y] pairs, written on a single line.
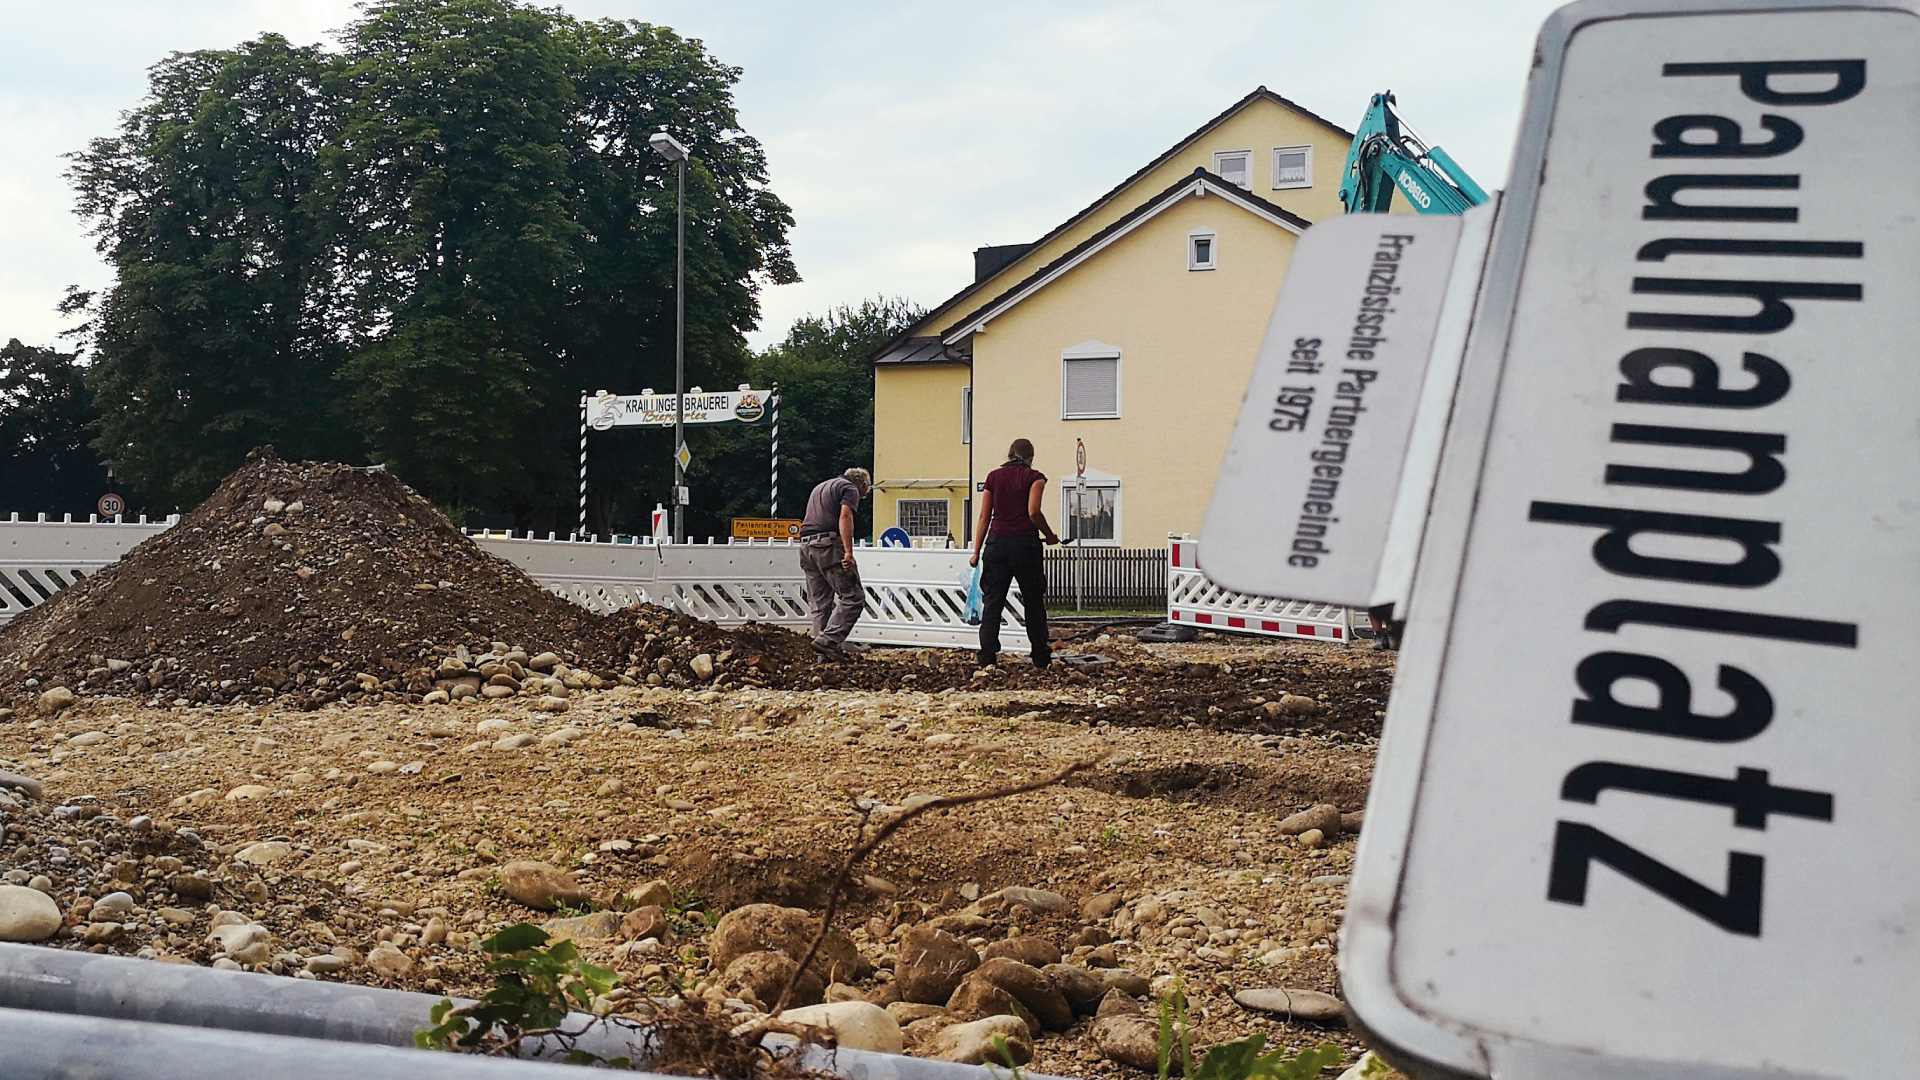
{"points": [[899, 519], [1194, 236], [1105, 482], [1274, 176], [966, 415], [1221, 155], [1091, 350]]}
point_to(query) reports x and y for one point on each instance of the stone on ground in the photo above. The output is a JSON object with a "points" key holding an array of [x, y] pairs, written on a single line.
{"points": [[27, 914], [542, 885], [856, 1025], [1295, 1004], [974, 1043]]}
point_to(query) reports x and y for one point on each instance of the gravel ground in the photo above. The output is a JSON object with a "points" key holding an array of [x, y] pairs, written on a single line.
{"points": [[366, 843]]}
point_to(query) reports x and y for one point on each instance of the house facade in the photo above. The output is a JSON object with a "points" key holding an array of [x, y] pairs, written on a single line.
{"points": [[1130, 329]]}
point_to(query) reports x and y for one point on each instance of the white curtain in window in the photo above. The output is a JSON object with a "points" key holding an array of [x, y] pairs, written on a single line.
{"points": [[1090, 512]]}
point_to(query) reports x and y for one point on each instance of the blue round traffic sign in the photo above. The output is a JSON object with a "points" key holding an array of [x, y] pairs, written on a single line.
{"points": [[896, 537]]}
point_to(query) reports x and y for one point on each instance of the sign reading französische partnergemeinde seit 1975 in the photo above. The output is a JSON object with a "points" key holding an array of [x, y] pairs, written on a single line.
{"points": [[1651, 776]]}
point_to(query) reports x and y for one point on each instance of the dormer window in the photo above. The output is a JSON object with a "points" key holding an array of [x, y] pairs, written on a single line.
{"points": [[1232, 166], [1292, 167], [1201, 253]]}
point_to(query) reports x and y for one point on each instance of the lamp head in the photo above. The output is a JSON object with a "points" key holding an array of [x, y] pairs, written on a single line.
{"points": [[668, 147]]}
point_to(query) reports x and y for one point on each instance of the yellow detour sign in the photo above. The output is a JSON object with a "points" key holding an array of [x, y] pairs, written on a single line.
{"points": [[765, 528]]}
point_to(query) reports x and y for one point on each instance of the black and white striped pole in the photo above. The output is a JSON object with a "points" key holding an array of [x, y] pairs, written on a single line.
{"points": [[583, 466], [773, 402]]}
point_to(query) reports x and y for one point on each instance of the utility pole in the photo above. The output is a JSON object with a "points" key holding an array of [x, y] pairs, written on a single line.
{"points": [[673, 150]]}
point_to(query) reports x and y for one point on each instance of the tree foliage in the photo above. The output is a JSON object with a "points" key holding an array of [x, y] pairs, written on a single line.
{"points": [[45, 463], [826, 412], [420, 248]]}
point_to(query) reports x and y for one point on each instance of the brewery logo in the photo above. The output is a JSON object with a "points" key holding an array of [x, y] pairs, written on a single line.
{"points": [[604, 412], [749, 409]]}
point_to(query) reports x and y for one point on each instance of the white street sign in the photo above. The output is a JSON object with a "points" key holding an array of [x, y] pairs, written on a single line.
{"points": [[1304, 506], [657, 410], [1649, 783]]}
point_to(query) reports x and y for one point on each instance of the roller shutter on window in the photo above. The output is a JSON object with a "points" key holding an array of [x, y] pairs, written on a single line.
{"points": [[1092, 387]]}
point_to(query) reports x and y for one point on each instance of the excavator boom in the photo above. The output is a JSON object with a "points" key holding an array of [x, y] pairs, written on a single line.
{"points": [[1387, 155]]}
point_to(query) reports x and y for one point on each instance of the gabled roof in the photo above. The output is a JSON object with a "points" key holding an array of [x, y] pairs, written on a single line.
{"points": [[1260, 93], [1201, 181], [916, 350]]}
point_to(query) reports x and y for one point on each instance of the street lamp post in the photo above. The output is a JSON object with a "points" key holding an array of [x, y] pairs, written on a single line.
{"points": [[675, 151]]}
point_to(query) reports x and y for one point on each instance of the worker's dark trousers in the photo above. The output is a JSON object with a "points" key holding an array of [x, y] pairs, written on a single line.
{"points": [[1007, 559]]}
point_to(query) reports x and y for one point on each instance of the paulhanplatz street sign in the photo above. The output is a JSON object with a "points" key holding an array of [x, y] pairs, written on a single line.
{"points": [[1650, 778]]}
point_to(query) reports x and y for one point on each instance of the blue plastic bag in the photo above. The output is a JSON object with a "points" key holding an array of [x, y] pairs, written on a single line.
{"points": [[970, 581]]}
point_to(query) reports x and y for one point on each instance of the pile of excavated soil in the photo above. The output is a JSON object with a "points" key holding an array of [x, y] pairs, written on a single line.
{"points": [[311, 579]]}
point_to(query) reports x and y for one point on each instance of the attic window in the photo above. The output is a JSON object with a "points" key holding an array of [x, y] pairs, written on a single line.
{"points": [[1292, 167], [1232, 167], [1201, 249]]}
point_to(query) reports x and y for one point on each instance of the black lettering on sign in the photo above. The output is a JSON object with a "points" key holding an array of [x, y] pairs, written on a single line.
{"points": [[1736, 911], [1752, 704], [1763, 473], [1750, 795], [1727, 140], [1658, 250], [1613, 550], [1611, 616], [1774, 314], [1770, 380], [1661, 207], [1849, 78]]}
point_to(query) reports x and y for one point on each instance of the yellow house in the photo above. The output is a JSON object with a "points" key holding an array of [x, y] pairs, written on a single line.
{"points": [[1131, 328]]}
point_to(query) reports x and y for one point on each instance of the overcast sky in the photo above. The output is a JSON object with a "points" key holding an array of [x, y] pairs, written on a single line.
{"points": [[904, 133]]}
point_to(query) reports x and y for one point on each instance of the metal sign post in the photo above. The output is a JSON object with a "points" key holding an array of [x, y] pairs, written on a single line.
{"points": [[1079, 511], [1662, 832]]}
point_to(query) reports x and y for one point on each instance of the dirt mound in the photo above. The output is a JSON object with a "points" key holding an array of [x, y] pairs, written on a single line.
{"points": [[313, 579]]}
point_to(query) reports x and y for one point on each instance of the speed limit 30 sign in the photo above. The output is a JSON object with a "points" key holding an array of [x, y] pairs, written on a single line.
{"points": [[1664, 827]]}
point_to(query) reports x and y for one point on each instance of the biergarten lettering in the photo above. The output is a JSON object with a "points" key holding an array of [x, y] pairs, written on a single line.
{"points": [[1689, 368]]}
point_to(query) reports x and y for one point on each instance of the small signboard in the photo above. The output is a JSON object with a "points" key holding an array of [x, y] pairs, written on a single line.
{"points": [[1305, 503], [606, 411], [766, 528], [111, 505], [1644, 802]]}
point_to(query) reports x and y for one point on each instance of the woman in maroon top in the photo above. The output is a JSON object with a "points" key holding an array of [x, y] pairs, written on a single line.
{"points": [[1012, 527]]}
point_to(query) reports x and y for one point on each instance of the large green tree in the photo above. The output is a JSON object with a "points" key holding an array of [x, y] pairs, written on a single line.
{"points": [[468, 230], [220, 331], [45, 463], [826, 415]]}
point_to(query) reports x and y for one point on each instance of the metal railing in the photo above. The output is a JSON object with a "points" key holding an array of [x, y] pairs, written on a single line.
{"points": [[1105, 577]]}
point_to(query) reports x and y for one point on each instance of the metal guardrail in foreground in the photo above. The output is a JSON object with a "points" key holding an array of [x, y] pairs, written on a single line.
{"points": [[42, 1044], [65, 1013]]}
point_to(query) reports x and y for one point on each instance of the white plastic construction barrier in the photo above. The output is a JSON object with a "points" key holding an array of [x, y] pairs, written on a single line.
{"points": [[913, 594], [1192, 600], [39, 558]]}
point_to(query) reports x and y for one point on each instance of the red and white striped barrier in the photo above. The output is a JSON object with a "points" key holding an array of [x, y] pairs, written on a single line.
{"points": [[1192, 600]]}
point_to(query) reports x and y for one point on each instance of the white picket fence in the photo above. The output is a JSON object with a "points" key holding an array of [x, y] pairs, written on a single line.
{"points": [[914, 596]]}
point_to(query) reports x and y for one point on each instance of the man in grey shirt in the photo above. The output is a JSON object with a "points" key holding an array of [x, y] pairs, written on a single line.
{"points": [[834, 593]]}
